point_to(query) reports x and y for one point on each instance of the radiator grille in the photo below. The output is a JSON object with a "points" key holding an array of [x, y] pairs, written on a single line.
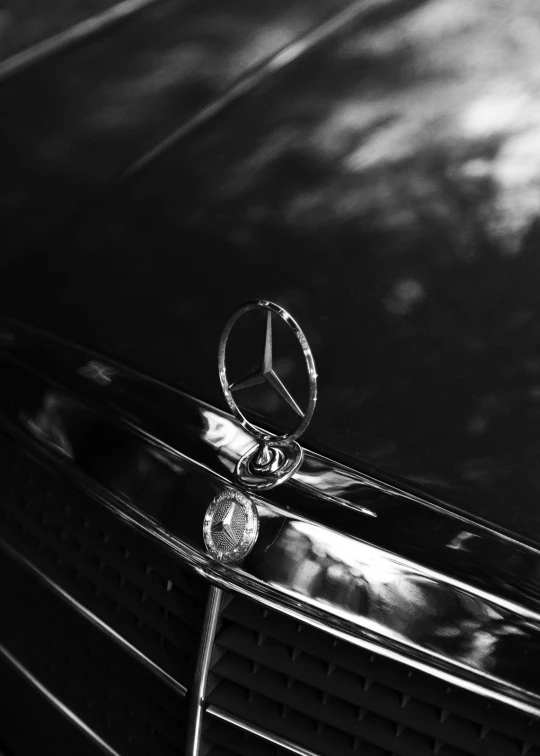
{"points": [[223, 739], [119, 575], [334, 698], [124, 703], [280, 675]]}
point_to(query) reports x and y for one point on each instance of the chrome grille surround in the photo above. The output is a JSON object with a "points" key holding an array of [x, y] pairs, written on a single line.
{"points": [[337, 517], [61, 707]]}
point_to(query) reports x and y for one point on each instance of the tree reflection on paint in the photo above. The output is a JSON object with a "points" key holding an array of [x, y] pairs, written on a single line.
{"points": [[384, 188]]}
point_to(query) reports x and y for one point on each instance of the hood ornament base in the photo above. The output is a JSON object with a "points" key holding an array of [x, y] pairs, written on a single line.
{"points": [[276, 458], [286, 460]]}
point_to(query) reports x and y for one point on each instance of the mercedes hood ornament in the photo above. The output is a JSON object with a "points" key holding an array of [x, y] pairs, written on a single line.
{"points": [[275, 458]]}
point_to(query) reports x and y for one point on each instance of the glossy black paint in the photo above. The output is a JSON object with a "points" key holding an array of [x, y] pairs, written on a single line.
{"points": [[77, 118], [24, 25], [383, 188]]}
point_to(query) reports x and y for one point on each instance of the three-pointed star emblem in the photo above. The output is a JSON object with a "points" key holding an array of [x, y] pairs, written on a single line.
{"points": [[225, 526], [267, 374], [231, 526]]}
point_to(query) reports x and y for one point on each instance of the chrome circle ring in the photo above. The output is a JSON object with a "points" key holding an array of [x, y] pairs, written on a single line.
{"points": [[268, 375]]}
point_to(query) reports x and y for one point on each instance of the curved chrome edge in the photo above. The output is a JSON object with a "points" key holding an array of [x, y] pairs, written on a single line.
{"points": [[407, 600], [56, 702], [346, 500], [93, 618], [197, 708], [213, 711], [266, 368], [414, 658], [321, 615]]}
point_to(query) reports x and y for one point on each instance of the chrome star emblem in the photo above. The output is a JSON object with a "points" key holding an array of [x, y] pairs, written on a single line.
{"points": [[275, 458], [231, 526], [267, 374]]}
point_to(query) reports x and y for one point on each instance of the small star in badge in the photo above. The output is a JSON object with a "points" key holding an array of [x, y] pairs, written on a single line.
{"points": [[229, 526]]}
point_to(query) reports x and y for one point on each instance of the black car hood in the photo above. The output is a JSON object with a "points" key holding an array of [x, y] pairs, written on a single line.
{"points": [[383, 187]]}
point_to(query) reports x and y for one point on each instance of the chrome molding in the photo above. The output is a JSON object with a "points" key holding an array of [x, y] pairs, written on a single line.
{"points": [[213, 711], [93, 618], [345, 500], [211, 618], [430, 588], [54, 701]]}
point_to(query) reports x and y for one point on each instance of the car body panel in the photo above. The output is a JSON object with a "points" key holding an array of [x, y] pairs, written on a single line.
{"points": [[78, 114], [375, 201]]}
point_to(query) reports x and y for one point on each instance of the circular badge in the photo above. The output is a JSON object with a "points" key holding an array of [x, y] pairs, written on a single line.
{"points": [[231, 526]]}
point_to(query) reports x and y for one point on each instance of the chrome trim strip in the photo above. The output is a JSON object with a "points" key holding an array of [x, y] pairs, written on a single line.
{"points": [[201, 674], [444, 594], [344, 499], [58, 42], [93, 618], [320, 614], [52, 699], [315, 618], [213, 711]]}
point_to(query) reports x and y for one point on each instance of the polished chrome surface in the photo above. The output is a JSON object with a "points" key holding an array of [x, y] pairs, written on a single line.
{"points": [[56, 702], [349, 554], [93, 618], [65, 385], [230, 527], [266, 373], [201, 673], [213, 711], [277, 458], [283, 463]]}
